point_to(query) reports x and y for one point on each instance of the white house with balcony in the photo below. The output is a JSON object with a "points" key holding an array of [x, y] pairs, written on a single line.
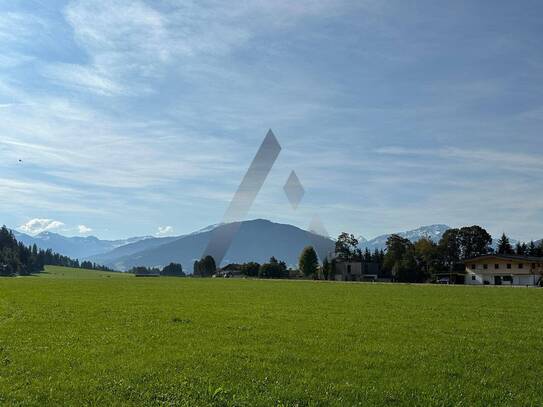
{"points": [[498, 269]]}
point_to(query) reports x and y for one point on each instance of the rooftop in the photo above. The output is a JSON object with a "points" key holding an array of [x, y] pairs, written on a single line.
{"points": [[505, 257]]}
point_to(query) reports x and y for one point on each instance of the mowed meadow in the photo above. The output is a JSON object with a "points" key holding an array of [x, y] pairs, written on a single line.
{"points": [[76, 337]]}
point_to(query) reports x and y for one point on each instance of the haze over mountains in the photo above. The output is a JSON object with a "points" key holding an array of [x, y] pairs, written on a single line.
{"points": [[257, 240], [76, 247]]}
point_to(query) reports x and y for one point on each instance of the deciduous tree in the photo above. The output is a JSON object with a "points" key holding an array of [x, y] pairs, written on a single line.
{"points": [[346, 246]]}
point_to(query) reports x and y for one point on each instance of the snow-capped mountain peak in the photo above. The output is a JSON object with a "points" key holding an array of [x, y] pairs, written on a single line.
{"points": [[433, 232]]}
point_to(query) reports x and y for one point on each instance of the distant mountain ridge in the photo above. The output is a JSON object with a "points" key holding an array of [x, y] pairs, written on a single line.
{"points": [[76, 247], [433, 232], [130, 249], [256, 240]]}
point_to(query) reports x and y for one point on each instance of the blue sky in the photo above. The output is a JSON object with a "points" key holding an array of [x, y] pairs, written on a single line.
{"points": [[140, 117]]}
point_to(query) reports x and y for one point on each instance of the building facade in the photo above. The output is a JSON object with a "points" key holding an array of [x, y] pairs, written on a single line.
{"points": [[355, 271], [497, 269]]}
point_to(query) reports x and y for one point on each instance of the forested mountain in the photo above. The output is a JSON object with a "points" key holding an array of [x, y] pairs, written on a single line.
{"points": [[18, 259]]}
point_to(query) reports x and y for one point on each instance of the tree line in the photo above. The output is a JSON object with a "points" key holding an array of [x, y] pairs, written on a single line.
{"points": [[402, 260], [420, 261], [531, 249], [18, 259], [172, 269], [274, 268], [424, 259]]}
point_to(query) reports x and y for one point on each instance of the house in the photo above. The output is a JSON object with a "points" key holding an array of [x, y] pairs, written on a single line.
{"points": [[499, 269], [354, 271], [232, 270], [234, 274]]}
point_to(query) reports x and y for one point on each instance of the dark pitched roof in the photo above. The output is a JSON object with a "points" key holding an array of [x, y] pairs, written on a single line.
{"points": [[505, 257], [231, 267]]}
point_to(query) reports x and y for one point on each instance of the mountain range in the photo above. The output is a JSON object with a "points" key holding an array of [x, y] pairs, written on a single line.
{"points": [[257, 240], [433, 232], [76, 247]]}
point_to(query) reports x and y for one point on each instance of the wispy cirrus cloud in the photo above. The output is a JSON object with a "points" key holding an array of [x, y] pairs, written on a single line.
{"points": [[83, 77], [155, 108], [129, 42], [19, 26], [124, 40], [511, 160]]}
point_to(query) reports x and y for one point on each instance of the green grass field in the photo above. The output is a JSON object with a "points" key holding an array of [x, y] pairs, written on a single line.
{"points": [[72, 337]]}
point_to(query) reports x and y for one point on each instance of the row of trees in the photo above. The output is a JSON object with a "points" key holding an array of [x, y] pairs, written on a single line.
{"points": [[418, 262], [18, 259], [346, 248], [172, 269], [532, 249], [403, 260], [272, 269], [422, 260], [89, 265]]}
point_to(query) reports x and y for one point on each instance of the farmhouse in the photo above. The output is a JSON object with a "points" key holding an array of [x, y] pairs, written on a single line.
{"points": [[498, 269]]}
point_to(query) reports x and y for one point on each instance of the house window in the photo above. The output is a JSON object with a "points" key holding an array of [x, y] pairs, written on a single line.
{"points": [[521, 266], [507, 278], [509, 266], [485, 266], [473, 278], [496, 266], [349, 268], [474, 267], [533, 265]]}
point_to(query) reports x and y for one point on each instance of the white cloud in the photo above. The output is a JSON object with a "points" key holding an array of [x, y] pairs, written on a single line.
{"points": [[164, 231], [139, 154], [126, 41], [83, 230], [35, 226], [130, 41]]}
